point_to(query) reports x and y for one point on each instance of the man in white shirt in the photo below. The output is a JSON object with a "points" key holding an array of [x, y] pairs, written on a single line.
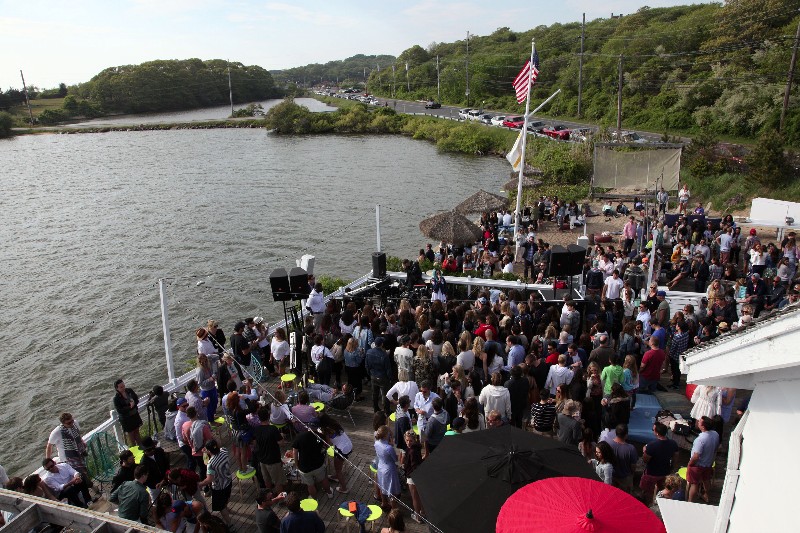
{"points": [[558, 374], [404, 356], [612, 287], [643, 315], [65, 482], [683, 199], [68, 443], [423, 405], [180, 419], [507, 219], [316, 304]]}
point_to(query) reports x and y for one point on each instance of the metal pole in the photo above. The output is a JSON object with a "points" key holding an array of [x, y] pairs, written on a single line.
{"points": [[524, 134], [230, 88], [788, 81], [162, 290], [619, 101], [580, 66], [438, 89], [408, 82], [27, 100], [467, 69], [393, 81], [378, 224]]}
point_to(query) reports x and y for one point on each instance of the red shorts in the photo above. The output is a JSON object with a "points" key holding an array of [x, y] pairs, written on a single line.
{"points": [[697, 474], [649, 483]]}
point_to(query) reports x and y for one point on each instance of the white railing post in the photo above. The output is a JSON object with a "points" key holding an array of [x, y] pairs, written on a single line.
{"points": [[378, 225], [162, 289]]}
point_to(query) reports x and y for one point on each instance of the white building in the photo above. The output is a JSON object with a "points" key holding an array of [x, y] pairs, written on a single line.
{"points": [[758, 492]]}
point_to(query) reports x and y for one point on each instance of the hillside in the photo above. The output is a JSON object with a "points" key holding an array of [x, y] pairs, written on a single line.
{"points": [[721, 67]]}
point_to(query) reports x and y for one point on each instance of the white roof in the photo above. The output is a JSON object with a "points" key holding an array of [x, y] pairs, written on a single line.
{"points": [[685, 517], [765, 351]]}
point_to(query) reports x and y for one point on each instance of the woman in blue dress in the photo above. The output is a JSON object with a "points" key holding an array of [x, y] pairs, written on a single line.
{"points": [[388, 477]]}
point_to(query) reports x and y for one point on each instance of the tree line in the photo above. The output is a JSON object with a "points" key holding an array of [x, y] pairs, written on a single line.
{"points": [[169, 85], [721, 67]]}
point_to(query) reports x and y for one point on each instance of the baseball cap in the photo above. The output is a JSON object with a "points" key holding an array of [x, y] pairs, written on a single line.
{"points": [[661, 293], [181, 401]]}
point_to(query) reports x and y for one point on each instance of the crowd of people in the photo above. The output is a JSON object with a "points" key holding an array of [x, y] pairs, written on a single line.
{"points": [[565, 369]]}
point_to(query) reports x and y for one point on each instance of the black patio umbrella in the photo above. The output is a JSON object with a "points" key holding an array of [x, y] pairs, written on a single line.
{"points": [[450, 227], [482, 201], [468, 477]]}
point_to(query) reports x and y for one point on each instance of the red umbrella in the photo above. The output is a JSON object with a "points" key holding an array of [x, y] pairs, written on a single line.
{"points": [[575, 505]]}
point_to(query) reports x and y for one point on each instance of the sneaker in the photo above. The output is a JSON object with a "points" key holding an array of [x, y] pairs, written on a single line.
{"points": [[416, 518], [330, 494], [342, 490], [333, 479]]}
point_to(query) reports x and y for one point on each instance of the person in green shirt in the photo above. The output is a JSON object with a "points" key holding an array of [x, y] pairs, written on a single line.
{"points": [[611, 374], [132, 497]]}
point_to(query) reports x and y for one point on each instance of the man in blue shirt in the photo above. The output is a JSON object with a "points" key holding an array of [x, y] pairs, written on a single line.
{"points": [[704, 451], [299, 521], [379, 367], [516, 353]]}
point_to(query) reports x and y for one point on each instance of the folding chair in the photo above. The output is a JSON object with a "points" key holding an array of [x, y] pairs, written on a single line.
{"points": [[346, 411], [102, 460]]}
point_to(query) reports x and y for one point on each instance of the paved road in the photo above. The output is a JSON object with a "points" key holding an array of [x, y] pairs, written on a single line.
{"points": [[413, 107]]}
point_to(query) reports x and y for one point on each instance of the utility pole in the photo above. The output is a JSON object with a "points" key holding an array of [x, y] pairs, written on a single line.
{"points": [[27, 100], [408, 83], [230, 88], [467, 69], [365, 80], [619, 101], [380, 85], [394, 80], [788, 81], [580, 66], [438, 89]]}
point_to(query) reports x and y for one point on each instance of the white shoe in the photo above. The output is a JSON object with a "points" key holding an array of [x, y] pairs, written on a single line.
{"points": [[330, 494]]}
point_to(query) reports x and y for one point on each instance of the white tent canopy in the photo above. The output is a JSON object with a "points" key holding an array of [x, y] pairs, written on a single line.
{"points": [[636, 166]]}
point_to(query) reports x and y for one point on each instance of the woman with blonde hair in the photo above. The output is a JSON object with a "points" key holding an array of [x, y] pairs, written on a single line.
{"points": [[411, 459], [279, 350], [353, 357], [388, 477], [423, 366], [465, 357], [208, 384]]}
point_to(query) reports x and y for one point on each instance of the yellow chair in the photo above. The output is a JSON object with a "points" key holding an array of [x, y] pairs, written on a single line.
{"points": [[138, 453], [393, 417], [375, 512], [309, 504], [241, 476], [347, 515], [286, 379], [318, 406]]}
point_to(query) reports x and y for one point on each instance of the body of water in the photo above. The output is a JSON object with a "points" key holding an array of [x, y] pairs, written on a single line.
{"points": [[90, 222]]}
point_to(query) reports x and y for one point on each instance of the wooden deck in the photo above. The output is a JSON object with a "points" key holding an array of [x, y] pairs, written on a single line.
{"points": [[242, 504]]}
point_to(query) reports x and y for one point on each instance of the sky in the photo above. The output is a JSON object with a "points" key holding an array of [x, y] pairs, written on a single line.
{"points": [[54, 42]]}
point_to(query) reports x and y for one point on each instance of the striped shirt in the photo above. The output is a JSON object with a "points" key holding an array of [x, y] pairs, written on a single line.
{"points": [[543, 415], [220, 468]]}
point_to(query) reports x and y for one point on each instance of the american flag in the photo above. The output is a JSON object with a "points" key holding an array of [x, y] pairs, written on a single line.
{"points": [[521, 86]]}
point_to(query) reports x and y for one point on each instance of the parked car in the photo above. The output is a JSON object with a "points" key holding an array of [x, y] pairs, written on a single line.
{"points": [[431, 104], [475, 114], [536, 126], [514, 121], [462, 113], [558, 131], [486, 119], [498, 120], [628, 137], [581, 134]]}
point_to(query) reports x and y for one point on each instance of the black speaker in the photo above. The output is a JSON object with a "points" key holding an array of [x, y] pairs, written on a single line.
{"points": [[577, 256], [559, 261], [298, 282], [378, 265], [279, 281]]}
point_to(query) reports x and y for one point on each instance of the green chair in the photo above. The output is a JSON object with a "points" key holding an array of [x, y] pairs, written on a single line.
{"points": [[375, 512], [102, 460], [309, 504], [241, 476]]}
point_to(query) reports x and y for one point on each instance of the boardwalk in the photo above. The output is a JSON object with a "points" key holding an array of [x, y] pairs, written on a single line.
{"points": [[242, 506]]}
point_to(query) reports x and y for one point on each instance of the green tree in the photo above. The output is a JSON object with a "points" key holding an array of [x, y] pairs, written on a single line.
{"points": [[767, 161], [6, 122]]}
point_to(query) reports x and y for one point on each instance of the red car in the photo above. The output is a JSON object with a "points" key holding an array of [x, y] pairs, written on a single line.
{"points": [[514, 121], [557, 132]]}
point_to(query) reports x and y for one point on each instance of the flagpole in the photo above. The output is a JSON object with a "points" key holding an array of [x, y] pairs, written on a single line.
{"points": [[518, 213]]}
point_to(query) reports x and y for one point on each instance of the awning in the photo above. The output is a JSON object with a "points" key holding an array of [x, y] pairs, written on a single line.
{"points": [[681, 517]]}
